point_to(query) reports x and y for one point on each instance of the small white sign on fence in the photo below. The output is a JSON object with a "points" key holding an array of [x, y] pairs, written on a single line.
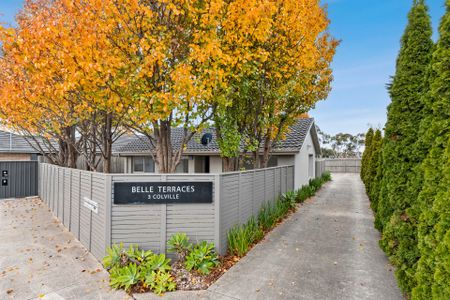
{"points": [[91, 205]]}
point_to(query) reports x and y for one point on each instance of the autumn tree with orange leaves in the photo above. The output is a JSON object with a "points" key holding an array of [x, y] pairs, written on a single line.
{"points": [[282, 68], [83, 72]]}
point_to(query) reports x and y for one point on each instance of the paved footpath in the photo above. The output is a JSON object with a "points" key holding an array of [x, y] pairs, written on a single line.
{"points": [[40, 259], [327, 250]]}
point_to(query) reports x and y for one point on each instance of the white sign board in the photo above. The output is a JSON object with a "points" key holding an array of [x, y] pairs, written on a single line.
{"points": [[91, 205]]}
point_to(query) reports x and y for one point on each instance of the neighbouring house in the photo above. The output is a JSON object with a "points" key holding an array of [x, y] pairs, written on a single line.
{"points": [[300, 148], [16, 147]]}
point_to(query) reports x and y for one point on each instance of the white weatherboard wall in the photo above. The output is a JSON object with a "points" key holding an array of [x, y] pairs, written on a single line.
{"points": [[286, 160], [302, 175], [215, 164]]}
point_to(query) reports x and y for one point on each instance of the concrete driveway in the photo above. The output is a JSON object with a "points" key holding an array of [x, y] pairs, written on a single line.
{"points": [[40, 259], [327, 250]]}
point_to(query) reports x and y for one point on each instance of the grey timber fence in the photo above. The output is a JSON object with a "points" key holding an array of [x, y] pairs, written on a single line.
{"points": [[320, 167], [84, 202], [69, 193], [243, 193], [18, 179], [343, 165]]}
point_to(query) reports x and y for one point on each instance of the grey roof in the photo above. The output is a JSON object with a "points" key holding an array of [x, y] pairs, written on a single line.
{"points": [[14, 143], [135, 144]]}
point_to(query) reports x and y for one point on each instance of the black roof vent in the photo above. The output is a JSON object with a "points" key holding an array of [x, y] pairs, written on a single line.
{"points": [[206, 139]]}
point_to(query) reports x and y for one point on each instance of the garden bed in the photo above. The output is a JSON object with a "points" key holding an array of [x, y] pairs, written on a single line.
{"points": [[197, 266]]}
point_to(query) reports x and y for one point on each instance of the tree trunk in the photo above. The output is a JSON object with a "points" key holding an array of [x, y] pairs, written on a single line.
{"points": [[266, 153], [164, 153], [62, 155], [256, 159], [92, 147], [230, 164], [107, 143], [72, 154]]}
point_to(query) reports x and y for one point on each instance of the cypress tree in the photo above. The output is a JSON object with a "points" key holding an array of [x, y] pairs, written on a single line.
{"points": [[372, 163], [433, 271], [376, 185], [366, 154], [399, 239]]}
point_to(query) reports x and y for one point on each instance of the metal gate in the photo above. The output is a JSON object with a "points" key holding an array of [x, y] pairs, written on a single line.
{"points": [[18, 179]]}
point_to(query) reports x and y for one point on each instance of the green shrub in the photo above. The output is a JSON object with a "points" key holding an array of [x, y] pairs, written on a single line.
{"points": [[202, 258], [290, 197], [266, 216], [114, 256], [239, 240], [241, 237], [315, 184], [304, 193], [281, 208], [132, 266], [180, 244], [124, 277], [254, 230], [160, 282], [156, 262], [326, 176]]}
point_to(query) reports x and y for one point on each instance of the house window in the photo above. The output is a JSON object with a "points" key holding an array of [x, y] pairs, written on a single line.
{"points": [[143, 164], [273, 162], [183, 166], [311, 166]]}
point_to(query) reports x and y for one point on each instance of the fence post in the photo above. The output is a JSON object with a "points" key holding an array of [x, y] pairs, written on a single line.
{"points": [[70, 201], [253, 192], [90, 212], [79, 204], [163, 229], [108, 210], [265, 195], [275, 184], [286, 178], [217, 225], [239, 197]]}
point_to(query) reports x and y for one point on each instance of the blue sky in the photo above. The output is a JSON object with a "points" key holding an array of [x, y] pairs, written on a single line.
{"points": [[370, 31]]}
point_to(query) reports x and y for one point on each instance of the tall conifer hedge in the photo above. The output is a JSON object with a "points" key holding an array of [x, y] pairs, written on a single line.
{"points": [[433, 272], [408, 174], [399, 236], [373, 162], [366, 154]]}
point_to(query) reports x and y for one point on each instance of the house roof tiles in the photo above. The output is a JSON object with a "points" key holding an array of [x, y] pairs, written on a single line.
{"points": [[135, 144]]}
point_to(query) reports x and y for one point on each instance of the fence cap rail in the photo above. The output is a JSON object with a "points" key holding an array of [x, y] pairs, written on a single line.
{"points": [[168, 174], [256, 170]]}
